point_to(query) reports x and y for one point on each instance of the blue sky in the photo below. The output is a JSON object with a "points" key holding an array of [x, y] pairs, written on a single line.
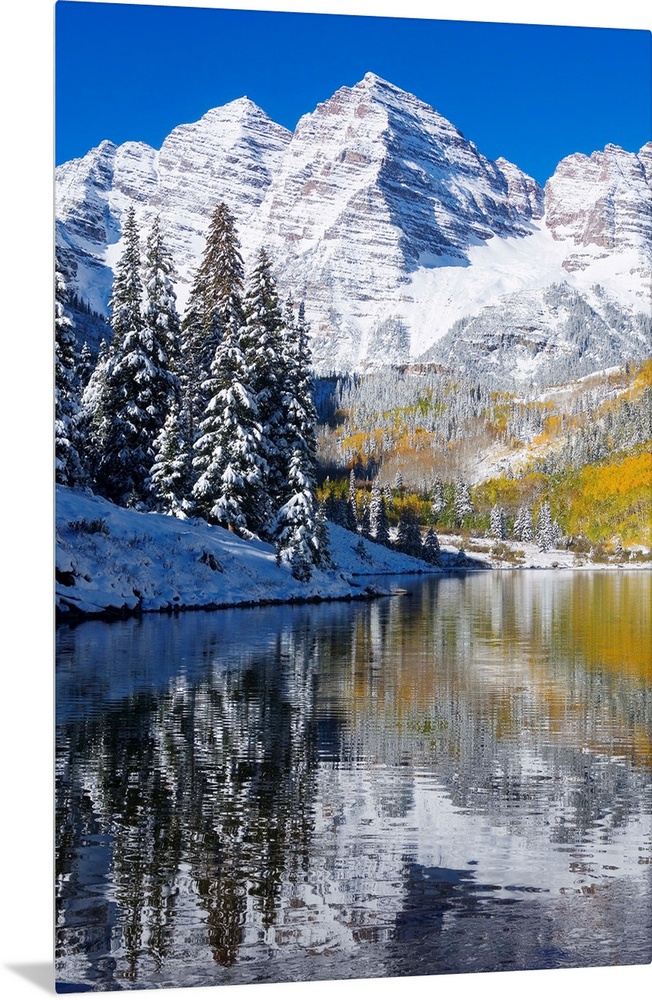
{"points": [[533, 94]]}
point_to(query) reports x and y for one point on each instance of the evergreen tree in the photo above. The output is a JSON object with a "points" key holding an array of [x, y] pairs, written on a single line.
{"points": [[86, 365], [438, 505], [431, 548], [323, 539], [378, 520], [68, 463], [296, 524], [350, 519], [270, 368], [171, 473], [228, 458], [230, 470], [462, 502], [127, 291], [343, 513], [330, 506], [545, 534], [95, 411], [497, 522], [352, 494], [160, 315], [297, 536], [365, 519], [523, 524], [214, 306], [557, 535], [408, 535], [137, 386]]}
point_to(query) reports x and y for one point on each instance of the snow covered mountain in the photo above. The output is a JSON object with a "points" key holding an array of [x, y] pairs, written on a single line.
{"points": [[230, 155], [405, 241]]}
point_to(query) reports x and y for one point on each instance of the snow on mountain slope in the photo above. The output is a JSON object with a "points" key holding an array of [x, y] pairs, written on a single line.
{"points": [[602, 200], [389, 223], [229, 155], [374, 184]]}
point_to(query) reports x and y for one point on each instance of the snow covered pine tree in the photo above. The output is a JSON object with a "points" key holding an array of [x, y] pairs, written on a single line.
{"points": [[68, 463], [379, 522], [297, 532], [136, 387], [228, 461]]}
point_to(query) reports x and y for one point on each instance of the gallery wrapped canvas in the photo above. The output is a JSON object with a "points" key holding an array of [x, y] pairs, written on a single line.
{"points": [[353, 477]]}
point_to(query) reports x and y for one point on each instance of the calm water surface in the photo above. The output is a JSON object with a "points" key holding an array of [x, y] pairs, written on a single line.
{"points": [[457, 780]]}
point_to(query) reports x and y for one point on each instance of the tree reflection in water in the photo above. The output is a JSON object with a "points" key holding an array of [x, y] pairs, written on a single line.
{"points": [[354, 790]]}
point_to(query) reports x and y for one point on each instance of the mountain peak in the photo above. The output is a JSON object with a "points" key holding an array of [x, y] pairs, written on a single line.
{"points": [[375, 208], [372, 79], [375, 86], [243, 106], [238, 110]]}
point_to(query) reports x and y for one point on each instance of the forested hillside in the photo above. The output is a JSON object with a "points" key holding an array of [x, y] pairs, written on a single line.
{"points": [[582, 448]]}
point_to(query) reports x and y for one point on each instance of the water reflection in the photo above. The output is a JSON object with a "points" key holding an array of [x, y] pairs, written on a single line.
{"points": [[457, 780]]}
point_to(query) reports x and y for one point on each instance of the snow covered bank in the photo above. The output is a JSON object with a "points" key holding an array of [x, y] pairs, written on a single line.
{"points": [[113, 560], [489, 553]]}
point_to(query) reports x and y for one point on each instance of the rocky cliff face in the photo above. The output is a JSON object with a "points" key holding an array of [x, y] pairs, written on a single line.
{"points": [[378, 212], [374, 185], [230, 154], [603, 200]]}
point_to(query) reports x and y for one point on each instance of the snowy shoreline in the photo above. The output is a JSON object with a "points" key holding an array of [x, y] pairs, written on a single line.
{"points": [[113, 563]]}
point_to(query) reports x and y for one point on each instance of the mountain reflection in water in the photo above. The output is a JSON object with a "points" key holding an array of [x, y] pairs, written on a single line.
{"points": [[453, 781]]}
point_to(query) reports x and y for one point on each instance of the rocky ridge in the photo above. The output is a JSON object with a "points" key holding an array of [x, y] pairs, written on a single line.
{"points": [[391, 225]]}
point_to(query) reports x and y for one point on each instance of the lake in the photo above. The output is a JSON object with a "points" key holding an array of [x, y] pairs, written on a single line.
{"points": [[452, 780]]}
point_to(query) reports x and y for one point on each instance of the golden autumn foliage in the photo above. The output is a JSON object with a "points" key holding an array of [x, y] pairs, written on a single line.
{"points": [[613, 498], [602, 501]]}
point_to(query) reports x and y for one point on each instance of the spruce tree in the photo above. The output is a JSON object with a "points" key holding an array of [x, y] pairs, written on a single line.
{"points": [[462, 502], [497, 522], [95, 411], [431, 552], [68, 463], [408, 534], [365, 518], [161, 317], [323, 539], [378, 520], [214, 306], [352, 494], [138, 387], [330, 506], [297, 535], [545, 534], [557, 535], [228, 464], [296, 522], [171, 473], [523, 524], [438, 505], [86, 365], [262, 344]]}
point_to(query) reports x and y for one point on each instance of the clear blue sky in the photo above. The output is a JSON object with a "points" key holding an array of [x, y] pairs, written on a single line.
{"points": [[533, 94]]}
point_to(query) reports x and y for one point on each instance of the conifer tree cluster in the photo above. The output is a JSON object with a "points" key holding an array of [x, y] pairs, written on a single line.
{"points": [[68, 463], [210, 415]]}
